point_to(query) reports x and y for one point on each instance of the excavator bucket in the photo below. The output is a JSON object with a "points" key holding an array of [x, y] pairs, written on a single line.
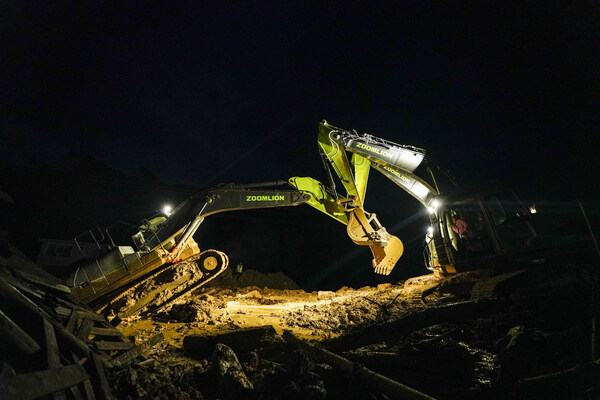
{"points": [[367, 231]]}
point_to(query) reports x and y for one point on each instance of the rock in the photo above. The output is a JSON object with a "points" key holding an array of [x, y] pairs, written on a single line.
{"points": [[250, 362], [312, 392], [233, 382], [516, 349], [344, 289], [383, 286], [325, 294], [253, 294]]}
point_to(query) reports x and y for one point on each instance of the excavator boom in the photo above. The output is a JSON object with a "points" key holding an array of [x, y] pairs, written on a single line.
{"points": [[166, 251]]}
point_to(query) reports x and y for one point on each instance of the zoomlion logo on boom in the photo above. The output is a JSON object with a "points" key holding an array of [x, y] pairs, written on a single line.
{"points": [[265, 198], [396, 173], [375, 150]]}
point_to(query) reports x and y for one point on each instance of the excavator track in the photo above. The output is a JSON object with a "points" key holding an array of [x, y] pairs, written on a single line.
{"points": [[487, 288], [168, 284]]}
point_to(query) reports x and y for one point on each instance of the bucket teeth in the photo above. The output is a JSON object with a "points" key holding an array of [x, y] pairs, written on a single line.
{"points": [[386, 248], [386, 254]]}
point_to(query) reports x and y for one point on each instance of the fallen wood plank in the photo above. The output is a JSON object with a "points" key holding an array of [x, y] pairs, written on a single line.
{"points": [[6, 290], [76, 393], [13, 335], [72, 321], [375, 381], [22, 286], [138, 350], [37, 384], [105, 332], [62, 311], [572, 379], [20, 264], [87, 384], [45, 283], [102, 390], [102, 345], [84, 329], [93, 316], [53, 355]]}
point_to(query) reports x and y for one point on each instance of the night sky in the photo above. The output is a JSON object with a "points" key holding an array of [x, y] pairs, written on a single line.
{"points": [[201, 93]]}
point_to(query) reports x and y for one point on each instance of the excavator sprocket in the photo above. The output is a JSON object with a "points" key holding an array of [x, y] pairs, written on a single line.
{"points": [[163, 287]]}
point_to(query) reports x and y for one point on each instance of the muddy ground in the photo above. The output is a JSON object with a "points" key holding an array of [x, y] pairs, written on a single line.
{"points": [[480, 335]]}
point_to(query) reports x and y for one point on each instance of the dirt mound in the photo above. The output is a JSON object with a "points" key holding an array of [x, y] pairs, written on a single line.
{"points": [[277, 280]]}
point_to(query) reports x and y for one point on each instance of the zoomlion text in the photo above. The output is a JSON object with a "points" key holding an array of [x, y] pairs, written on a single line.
{"points": [[373, 149], [264, 198]]}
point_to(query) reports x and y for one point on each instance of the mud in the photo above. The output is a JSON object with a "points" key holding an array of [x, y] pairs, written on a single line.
{"points": [[439, 337]]}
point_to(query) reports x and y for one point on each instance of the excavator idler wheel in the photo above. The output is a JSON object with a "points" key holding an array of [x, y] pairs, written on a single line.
{"points": [[210, 261]]}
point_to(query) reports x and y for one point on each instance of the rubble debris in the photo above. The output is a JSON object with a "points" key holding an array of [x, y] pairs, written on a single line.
{"points": [[57, 346], [409, 323], [233, 382], [525, 335], [372, 379], [240, 340]]}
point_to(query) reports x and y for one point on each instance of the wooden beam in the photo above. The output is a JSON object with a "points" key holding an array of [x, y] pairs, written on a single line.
{"points": [[108, 346], [13, 335], [138, 350], [72, 321], [84, 329], [52, 352], [375, 381], [7, 290], [91, 315], [105, 332], [53, 355], [87, 384], [38, 384], [102, 389]]}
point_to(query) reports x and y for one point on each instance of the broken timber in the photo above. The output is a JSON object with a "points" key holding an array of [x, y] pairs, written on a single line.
{"points": [[13, 335], [375, 381], [38, 384], [54, 347]]}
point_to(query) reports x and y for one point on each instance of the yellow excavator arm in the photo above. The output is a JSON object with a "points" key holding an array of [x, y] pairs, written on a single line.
{"points": [[396, 162]]}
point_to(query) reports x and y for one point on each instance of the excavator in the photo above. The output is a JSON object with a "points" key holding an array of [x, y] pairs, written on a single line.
{"points": [[467, 231], [165, 262]]}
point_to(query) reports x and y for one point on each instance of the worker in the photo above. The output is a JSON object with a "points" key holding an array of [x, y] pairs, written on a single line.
{"points": [[462, 228], [238, 271]]}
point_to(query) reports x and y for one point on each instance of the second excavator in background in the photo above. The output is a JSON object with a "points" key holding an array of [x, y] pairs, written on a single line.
{"points": [[467, 231]]}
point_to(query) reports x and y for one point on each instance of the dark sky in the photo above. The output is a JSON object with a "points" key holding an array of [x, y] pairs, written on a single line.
{"points": [[204, 92], [208, 92]]}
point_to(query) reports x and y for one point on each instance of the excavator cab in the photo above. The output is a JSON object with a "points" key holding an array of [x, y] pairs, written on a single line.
{"points": [[489, 226]]}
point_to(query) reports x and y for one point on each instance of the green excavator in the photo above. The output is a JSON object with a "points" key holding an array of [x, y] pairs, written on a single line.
{"points": [[164, 262]]}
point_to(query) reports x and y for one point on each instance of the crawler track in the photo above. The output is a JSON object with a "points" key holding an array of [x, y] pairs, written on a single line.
{"points": [[166, 285]]}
